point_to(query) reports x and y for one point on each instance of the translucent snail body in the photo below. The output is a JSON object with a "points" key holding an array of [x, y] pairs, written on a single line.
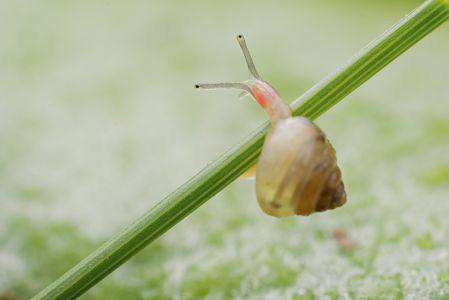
{"points": [[297, 173]]}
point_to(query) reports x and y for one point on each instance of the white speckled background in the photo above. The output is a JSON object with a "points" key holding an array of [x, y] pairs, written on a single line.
{"points": [[99, 120]]}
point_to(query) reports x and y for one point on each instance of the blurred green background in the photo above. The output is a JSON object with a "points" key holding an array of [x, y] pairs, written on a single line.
{"points": [[99, 120]]}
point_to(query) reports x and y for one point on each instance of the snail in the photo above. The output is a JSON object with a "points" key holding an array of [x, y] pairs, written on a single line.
{"points": [[297, 172]]}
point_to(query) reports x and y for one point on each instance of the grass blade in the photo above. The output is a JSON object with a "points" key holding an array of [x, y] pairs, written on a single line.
{"points": [[216, 176]]}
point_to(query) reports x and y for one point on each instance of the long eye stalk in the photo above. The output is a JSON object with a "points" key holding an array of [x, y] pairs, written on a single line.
{"points": [[223, 85], [261, 90], [248, 58], [235, 85]]}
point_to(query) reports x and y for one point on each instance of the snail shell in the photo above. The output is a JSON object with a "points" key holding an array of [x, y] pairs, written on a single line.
{"points": [[297, 171]]}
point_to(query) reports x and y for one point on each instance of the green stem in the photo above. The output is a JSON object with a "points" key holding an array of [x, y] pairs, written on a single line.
{"points": [[216, 176]]}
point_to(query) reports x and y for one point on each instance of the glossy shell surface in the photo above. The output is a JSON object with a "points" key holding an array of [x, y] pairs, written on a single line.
{"points": [[297, 171]]}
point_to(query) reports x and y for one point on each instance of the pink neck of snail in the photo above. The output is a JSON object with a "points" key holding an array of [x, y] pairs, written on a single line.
{"points": [[270, 101]]}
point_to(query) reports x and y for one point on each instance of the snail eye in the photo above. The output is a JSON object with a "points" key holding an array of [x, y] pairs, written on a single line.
{"points": [[297, 172]]}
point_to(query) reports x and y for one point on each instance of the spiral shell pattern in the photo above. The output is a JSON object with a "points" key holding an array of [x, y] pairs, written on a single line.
{"points": [[297, 172]]}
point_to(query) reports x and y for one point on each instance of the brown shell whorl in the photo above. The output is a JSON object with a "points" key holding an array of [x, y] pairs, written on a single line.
{"points": [[297, 172], [333, 194], [326, 179]]}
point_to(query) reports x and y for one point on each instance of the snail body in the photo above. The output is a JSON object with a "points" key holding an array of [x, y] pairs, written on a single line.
{"points": [[297, 172]]}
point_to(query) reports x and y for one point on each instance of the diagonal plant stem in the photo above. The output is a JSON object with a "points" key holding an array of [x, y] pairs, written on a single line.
{"points": [[216, 176]]}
